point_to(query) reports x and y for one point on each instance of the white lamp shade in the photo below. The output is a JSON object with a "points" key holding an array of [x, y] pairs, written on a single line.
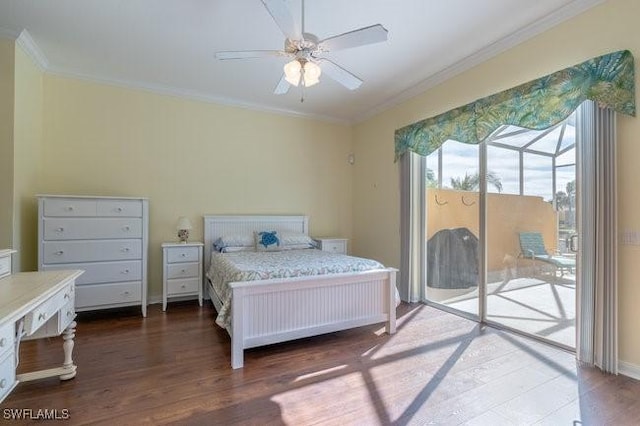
{"points": [[311, 74], [292, 72], [183, 223]]}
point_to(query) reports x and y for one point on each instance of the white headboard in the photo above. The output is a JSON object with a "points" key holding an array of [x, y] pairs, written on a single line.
{"points": [[216, 226]]}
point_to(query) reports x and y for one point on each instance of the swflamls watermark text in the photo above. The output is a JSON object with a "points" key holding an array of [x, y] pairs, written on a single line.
{"points": [[35, 414]]}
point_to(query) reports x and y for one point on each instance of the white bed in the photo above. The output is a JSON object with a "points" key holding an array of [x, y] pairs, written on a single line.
{"points": [[258, 318]]}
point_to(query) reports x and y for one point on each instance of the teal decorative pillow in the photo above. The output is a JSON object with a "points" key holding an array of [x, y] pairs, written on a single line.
{"points": [[267, 241]]}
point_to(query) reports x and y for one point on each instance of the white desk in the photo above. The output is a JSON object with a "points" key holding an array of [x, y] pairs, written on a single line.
{"points": [[35, 305]]}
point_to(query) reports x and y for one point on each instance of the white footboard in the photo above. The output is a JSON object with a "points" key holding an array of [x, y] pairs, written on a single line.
{"points": [[271, 311]]}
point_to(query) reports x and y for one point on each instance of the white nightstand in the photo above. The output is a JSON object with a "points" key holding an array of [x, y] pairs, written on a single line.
{"points": [[334, 245], [181, 271]]}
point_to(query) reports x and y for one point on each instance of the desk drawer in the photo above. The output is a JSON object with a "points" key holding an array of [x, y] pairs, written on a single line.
{"points": [[183, 270], [7, 333], [176, 287], [88, 229], [7, 374], [40, 315], [183, 254], [91, 251], [5, 265], [90, 296]]}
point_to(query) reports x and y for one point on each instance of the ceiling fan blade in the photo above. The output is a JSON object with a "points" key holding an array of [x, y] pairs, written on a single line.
{"points": [[248, 54], [280, 12], [283, 86], [367, 35], [339, 74]]}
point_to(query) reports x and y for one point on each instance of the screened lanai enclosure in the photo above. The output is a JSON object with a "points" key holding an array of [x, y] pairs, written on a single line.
{"points": [[531, 238]]}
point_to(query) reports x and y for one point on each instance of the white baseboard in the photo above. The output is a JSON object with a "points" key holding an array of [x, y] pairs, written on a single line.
{"points": [[628, 369]]}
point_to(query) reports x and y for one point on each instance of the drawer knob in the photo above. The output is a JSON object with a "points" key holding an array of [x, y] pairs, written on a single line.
{"points": [[41, 316], [70, 208], [184, 271], [183, 254], [127, 228], [183, 286], [126, 293], [3, 342], [60, 252], [126, 249], [66, 295], [3, 383], [119, 209], [126, 271], [61, 229]]}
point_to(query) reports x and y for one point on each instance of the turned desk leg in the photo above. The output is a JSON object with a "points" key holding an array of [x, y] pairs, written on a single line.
{"points": [[68, 335]]}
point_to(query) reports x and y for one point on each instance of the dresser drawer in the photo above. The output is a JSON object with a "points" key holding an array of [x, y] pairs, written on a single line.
{"points": [[7, 333], [122, 208], [7, 374], [183, 270], [91, 296], [180, 286], [87, 229], [88, 251], [103, 272], [46, 310], [183, 254], [69, 207], [5, 265]]}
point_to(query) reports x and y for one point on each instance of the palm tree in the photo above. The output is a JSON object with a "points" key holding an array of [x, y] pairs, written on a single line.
{"points": [[431, 182], [472, 182]]}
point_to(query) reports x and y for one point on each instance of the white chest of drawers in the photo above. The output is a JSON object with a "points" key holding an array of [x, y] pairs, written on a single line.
{"points": [[181, 271], [107, 237]]}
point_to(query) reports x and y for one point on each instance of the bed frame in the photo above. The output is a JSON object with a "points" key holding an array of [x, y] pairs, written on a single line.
{"points": [[271, 311]]}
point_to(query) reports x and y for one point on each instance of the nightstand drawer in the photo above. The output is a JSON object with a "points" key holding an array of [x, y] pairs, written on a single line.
{"points": [[183, 254], [183, 270], [179, 286], [335, 247], [7, 333]]}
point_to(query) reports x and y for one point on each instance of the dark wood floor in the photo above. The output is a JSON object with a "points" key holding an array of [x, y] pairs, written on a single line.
{"points": [[173, 367]]}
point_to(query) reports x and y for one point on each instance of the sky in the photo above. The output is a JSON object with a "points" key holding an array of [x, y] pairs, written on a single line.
{"points": [[459, 158]]}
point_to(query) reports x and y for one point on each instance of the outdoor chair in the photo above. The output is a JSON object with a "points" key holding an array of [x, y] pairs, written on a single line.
{"points": [[532, 247]]}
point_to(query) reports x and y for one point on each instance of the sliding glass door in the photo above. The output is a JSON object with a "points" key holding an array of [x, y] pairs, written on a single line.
{"points": [[519, 186]]}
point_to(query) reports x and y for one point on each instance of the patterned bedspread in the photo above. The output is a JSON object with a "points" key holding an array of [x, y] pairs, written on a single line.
{"points": [[226, 268]]}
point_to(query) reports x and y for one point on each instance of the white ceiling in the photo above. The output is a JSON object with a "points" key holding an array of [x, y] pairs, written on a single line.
{"points": [[169, 45]]}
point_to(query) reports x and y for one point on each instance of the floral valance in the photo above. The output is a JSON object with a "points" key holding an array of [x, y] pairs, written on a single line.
{"points": [[539, 104]]}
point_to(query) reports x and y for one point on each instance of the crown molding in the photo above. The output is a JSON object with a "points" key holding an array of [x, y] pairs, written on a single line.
{"points": [[33, 51], [192, 95], [547, 22]]}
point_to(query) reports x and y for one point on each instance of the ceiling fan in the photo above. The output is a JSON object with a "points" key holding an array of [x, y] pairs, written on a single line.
{"points": [[305, 50]]}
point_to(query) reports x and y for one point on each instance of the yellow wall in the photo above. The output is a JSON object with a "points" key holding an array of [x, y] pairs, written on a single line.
{"points": [[605, 28], [27, 159], [192, 158], [7, 59]]}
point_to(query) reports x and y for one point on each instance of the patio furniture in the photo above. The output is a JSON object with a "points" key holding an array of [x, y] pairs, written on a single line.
{"points": [[532, 247]]}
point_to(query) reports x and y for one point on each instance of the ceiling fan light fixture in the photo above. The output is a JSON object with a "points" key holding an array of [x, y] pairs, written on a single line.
{"points": [[311, 74], [292, 72]]}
